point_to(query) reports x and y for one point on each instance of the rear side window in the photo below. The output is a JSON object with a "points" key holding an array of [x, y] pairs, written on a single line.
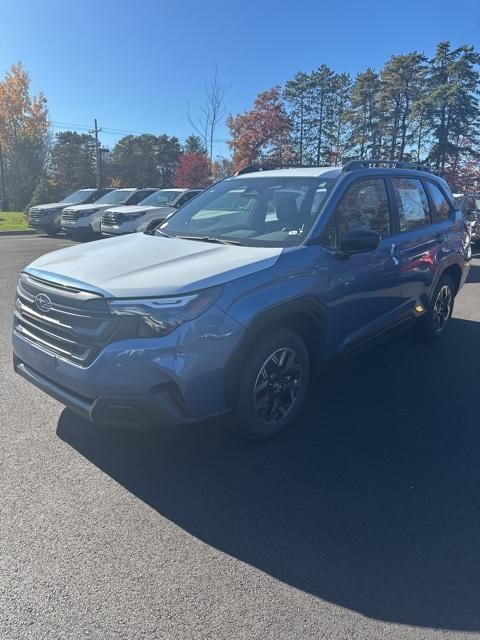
{"points": [[363, 205], [442, 208], [471, 203], [412, 203]]}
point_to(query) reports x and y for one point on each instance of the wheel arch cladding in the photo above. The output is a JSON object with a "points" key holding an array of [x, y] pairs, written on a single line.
{"points": [[304, 316]]}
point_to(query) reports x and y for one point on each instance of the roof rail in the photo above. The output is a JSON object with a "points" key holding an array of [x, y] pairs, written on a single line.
{"points": [[355, 165]]}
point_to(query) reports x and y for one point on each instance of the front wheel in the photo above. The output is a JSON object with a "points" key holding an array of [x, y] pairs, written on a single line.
{"points": [[435, 323], [272, 384], [51, 231]]}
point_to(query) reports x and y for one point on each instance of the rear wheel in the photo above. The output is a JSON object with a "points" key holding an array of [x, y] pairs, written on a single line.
{"points": [[435, 323], [272, 384]]}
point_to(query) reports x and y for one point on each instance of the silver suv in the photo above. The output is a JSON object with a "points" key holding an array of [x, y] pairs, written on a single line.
{"points": [[83, 221], [147, 214], [46, 217]]}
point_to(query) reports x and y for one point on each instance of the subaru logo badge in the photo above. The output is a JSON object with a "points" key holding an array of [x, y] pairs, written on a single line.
{"points": [[43, 302]]}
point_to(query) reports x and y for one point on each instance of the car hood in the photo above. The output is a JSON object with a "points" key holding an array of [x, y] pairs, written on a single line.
{"points": [[87, 207], [137, 208], [48, 207], [139, 265]]}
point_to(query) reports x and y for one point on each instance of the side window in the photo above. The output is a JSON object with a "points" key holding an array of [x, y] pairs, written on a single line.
{"points": [[442, 208], [412, 203], [138, 196], [363, 205], [185, 198], [471, 203]]}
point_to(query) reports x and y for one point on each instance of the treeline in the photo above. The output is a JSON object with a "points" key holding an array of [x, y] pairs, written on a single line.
{"points": [[414, 108], [24, 138], [143, 160], [37, 166]]}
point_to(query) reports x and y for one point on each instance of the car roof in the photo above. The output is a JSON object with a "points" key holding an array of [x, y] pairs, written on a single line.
{"points": [[361, 168], [293, 172]]}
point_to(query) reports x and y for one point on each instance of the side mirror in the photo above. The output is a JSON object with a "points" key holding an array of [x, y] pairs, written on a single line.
{"points": [[359, 241]]}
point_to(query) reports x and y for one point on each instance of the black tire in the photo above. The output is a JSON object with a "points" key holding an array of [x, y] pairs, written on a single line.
{"points": [[278, 359], [434, 325], [51, 231]]}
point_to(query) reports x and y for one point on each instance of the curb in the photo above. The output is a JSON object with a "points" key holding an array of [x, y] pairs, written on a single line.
{"points": [[19, 233]]}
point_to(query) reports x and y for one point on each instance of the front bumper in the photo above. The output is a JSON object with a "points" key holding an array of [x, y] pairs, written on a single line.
{"points": [[126, 226], [139, 382], [45, 221], [109, 230], [82, 225], [128, 411]]}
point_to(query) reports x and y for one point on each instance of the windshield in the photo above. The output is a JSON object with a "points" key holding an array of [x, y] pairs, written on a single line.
{"points": [[252, 211], [161, 198], [77, 197], [116, 197]]}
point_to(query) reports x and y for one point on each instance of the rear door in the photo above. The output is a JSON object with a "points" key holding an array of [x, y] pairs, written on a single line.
{"points": [[364, 295], [417, 241]]}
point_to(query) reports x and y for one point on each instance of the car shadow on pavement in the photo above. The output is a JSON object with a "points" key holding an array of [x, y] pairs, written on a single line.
{"points": [[370, 501]]}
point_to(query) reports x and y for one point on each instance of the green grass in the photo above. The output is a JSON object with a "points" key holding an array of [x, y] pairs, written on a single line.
{"points": [[13, 221]]}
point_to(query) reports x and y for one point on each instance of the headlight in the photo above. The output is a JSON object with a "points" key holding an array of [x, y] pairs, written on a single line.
{"points": [[161, 316]]}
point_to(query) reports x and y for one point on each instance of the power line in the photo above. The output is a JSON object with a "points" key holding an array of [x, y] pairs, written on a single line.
{"points": [[112, 130]]}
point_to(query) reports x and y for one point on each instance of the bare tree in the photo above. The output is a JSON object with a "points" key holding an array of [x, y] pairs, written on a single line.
{"points": [[211, 113]]}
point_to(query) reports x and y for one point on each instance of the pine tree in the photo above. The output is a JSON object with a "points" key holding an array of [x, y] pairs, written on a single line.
{"points": [[451, 102], [72, 160], [194, 144], [365, 115], [401, 81], [322, 82], [297, 94]]}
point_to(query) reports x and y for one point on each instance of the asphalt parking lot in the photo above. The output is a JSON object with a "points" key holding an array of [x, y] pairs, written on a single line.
{"points": [[362, 521]]}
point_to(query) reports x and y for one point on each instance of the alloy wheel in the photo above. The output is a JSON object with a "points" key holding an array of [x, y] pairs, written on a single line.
{"points": [[277, 385], [442, 308]]}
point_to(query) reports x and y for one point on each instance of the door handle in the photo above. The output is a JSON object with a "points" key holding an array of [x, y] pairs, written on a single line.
{"points": [[393, 249]]}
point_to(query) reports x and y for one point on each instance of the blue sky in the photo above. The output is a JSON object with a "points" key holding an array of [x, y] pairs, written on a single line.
{"points": [[136, 65]]}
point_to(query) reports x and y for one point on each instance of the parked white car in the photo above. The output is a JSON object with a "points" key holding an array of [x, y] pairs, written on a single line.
{"points": [[147, 214], [83, 220]]}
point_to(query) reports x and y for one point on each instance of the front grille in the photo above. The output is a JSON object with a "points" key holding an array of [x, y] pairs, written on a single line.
{"points": [[71, 216], [112, 219], [76, 327], [34, 215]]}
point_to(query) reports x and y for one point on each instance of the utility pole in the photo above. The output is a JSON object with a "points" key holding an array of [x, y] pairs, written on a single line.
{"points": [[4, 205], [98, 161]]}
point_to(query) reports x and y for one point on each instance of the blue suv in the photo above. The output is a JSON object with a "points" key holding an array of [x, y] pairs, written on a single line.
{"points": [[224, 307]]}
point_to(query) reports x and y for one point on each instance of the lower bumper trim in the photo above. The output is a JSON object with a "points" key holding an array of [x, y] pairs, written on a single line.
{"points": [[143, 411]]}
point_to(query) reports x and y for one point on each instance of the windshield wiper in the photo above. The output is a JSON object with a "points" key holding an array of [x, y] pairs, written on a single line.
{"points": [[209, 239]]}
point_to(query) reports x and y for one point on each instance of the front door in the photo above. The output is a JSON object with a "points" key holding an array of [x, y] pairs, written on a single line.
{"points": [[364, 292]]}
